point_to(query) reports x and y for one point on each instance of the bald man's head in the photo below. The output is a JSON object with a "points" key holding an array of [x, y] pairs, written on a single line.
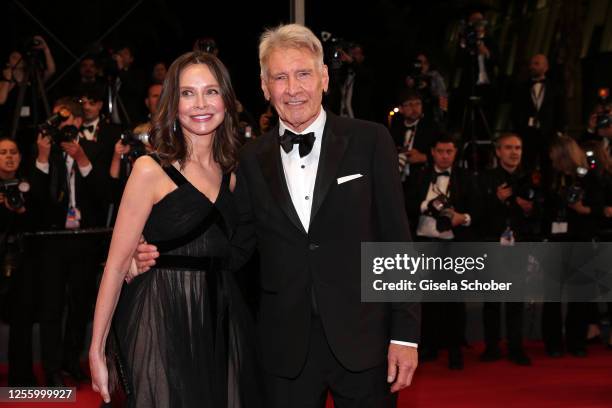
{"points": [[538, 66]]}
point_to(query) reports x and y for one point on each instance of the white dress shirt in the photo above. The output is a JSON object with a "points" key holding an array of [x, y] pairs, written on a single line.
{"points": [[301, 173]]}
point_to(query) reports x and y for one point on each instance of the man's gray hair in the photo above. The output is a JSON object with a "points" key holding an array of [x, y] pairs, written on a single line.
{"points": [[289, 36]]}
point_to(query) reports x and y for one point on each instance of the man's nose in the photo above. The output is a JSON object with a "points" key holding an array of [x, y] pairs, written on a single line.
{"points": [[292, 85]]}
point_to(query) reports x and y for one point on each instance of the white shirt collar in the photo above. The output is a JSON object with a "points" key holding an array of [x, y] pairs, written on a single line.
{"points": [[93, 122], [317, 126], [437, 169]]}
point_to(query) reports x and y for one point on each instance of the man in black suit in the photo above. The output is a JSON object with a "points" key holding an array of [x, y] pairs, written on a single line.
{"points": [[69, 183], [443, 323], [510, 202], [414, 135], [538, 113], [309, 192]]}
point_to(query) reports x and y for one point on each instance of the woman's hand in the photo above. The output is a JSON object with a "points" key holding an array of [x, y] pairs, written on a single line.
{"points": [[99, 375]]}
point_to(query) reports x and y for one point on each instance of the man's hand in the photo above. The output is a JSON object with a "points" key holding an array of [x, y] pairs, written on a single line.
{"points": [[457, 218], [402, 160], [44, 148], [415, 157], [526, 205], [402, 361], [504, 191], [608, 212], [74, 150], [580, 208], [143, 260], [121, 149], [483, 50]]}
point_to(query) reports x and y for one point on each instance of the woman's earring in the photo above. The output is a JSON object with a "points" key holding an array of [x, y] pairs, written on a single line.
{"points": [[174, 126]]}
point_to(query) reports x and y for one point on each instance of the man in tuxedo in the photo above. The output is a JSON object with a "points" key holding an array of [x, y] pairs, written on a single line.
{"points": [[510, 202], [538, 113], [414, 135], [69, 184], [308, 193], [443, 323], [95, 128]]}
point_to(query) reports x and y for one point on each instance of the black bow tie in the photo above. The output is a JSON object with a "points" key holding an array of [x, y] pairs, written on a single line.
{"points": [[305, 141], [411, 128], [436, 175], [90, 128], [537, 81]]}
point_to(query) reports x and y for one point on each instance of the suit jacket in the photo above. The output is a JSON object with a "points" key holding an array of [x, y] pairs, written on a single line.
{"points": [[92, 192], [426, 132], [325, 260], [464, 197], [551, 114]]}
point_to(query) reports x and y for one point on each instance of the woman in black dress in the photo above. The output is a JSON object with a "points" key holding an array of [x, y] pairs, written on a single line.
{"points": [[181, 330]]}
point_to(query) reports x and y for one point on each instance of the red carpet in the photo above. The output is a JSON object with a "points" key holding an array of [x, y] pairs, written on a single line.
{"points": [[566, 382]]}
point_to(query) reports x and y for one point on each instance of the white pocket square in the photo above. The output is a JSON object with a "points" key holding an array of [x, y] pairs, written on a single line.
{"points": [[348, 178]]}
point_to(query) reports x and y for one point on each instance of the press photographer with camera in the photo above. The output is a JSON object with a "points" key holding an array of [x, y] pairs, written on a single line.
{"points": [[131, 86], [414, 135], [17, 288], [428, 82], [512, 202], [20, 70], [442, 201], [599, 127], [572, 213], [70, 183]]}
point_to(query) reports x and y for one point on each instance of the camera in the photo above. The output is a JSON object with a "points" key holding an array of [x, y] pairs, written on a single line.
{"points": [[137, 143], [575, 191], [13, 191], [524, 186], [333, 47], [205, 44], [51, 127], [441, 209], [469, 35]]}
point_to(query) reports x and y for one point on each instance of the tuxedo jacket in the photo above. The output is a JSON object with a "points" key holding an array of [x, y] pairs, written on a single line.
{"points": [[326, 259], [426, 133], [551, 114], [92, 192], [464, 198]]}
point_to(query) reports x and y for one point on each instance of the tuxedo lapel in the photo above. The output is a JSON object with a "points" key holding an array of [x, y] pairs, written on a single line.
{"points": [[272, 169], [333, 146]]}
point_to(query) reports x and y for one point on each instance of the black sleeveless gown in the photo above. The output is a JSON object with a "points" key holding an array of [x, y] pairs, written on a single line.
{"points": [[184, 336]]}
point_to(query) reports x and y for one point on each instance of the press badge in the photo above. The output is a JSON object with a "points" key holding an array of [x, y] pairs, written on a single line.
{"points": [[25, 112], [559, 227], [73, 219]]}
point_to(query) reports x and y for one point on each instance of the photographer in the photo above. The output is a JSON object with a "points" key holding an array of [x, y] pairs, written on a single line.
{"points": [[131, 88], [478, 59], [18, 270], [572, 214], [70, 182], [512, 204], [414, 135], [599, 127], [538, 113], [429, 83], [443, 200], [35, 56]]}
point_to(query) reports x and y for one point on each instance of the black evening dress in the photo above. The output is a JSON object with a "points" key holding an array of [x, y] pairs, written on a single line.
{"points": [[182, 333]]}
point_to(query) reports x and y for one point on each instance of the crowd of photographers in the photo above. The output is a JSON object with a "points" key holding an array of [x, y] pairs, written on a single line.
{"points": [[62, 176]]}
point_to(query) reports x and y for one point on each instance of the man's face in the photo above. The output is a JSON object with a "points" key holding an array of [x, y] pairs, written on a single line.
{"points": [[9, 156], [159, 72], [152, 98], [294, 83], [88, 69], [509, 152], [91, 109], [538, 66], [424, 63], [71, 121], [412, 109], [444, 155], [127, 56]]}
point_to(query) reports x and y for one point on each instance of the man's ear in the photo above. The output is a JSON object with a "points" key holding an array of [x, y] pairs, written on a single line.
{"points": [[325, 78], [264, 88]]}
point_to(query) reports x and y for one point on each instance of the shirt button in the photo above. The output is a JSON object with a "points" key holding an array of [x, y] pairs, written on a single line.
{"points": [[307, 198], [303, 166]]}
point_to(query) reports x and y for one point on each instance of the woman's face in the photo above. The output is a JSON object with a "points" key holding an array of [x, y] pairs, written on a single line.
{"points": [[201, 108], [9, 157]]}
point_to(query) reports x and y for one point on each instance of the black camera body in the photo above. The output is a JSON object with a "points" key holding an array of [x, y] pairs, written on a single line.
{"points": [[440, 208], [575, 191], [51, 127], [604, 119], [13, 190], [137, 142], [333, 47], [523, 187]]}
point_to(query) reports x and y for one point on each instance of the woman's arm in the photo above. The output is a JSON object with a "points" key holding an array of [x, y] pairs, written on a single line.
{"points": [[136, 204]]}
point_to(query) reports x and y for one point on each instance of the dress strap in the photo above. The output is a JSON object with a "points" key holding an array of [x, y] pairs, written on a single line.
{"points": [[171, 171]]}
